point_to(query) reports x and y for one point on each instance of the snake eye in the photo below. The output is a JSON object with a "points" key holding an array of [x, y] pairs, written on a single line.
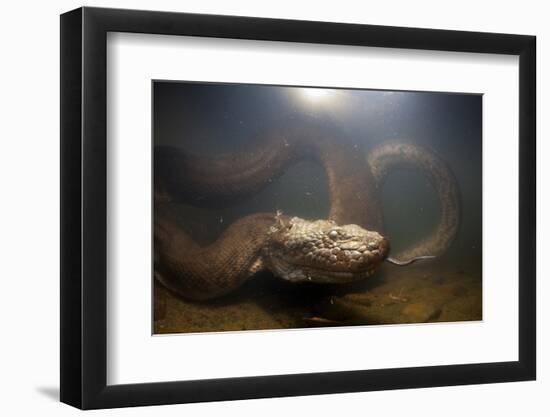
{"points": [[333, 234]]}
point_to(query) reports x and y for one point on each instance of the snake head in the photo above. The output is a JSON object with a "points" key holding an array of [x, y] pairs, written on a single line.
{"points": [[322, 251]]}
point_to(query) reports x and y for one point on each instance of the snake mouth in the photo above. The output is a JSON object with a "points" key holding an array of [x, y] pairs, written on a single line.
{"points": [[336, 277], [307, 273]]}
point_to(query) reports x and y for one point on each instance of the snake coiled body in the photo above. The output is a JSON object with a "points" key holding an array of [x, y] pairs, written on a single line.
{"points": [[347, 246]]}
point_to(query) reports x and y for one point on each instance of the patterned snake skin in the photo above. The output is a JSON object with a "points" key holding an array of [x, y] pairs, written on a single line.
{"points": [[347, 247]]}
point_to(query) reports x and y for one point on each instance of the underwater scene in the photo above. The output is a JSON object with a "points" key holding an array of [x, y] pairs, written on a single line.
{"points": [[282, 207]]}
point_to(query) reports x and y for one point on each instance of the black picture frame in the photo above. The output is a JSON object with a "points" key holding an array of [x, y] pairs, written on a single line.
{"points": [[83, 207]]}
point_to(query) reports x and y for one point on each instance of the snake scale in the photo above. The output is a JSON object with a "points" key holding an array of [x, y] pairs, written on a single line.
{"points": [[346, 247]]}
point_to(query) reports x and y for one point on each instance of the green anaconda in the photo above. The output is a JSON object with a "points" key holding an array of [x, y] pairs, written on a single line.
{"points": [[347, 246]]}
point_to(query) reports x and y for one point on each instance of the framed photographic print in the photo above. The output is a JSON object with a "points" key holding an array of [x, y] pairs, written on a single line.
{"points": [[259, 207]]}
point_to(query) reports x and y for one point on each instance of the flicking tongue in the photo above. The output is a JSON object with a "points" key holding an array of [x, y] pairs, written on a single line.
{"points": [[408, 261]]}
